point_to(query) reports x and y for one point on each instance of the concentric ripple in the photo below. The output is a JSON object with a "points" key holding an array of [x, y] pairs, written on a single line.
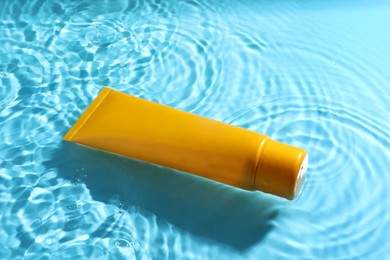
{"points": [[309, 73], [80, 231], [339, 140]]}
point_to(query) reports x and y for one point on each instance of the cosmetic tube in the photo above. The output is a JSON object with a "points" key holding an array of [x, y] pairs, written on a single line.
{"points": [[148, 131]]}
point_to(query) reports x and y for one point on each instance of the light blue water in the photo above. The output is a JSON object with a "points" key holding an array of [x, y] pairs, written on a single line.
{"points": [[314, 74]]}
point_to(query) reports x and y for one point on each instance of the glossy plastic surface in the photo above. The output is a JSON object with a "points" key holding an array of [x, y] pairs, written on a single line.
{"points": [[133, 127]]}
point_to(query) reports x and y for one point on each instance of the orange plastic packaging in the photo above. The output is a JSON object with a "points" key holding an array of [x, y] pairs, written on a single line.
{"points": [[137, 128]]}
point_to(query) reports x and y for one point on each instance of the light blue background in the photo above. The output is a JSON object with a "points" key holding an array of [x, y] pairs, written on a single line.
{"points": [[314, 74]]}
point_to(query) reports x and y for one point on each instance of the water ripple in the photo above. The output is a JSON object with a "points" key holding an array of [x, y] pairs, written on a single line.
{"points": [[309, 74], [339, 139], [79, 230]]}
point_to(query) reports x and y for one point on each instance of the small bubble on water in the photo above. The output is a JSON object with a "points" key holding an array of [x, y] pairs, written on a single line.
{"points": [[122, 244], [74, 206]]}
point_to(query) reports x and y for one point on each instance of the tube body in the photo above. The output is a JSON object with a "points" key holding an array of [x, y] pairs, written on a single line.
{"points": [[133, 127]]}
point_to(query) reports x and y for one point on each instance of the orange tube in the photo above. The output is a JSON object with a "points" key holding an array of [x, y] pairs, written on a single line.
{"points": [[133, 127]]}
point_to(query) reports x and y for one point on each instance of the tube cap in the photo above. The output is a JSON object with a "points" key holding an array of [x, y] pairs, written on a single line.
{"points": [[281, 169]]}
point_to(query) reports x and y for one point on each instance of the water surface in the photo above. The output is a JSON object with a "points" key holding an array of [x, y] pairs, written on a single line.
{"points": [[310, 73]]}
